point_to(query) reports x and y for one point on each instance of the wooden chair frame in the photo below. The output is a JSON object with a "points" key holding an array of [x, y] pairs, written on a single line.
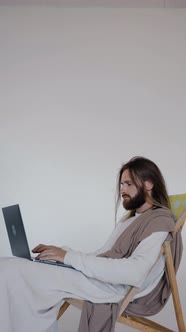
{"points": [[141, 323]]}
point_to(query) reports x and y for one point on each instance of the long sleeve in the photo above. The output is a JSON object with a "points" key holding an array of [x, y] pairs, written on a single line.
{"points": [[128, 271]]}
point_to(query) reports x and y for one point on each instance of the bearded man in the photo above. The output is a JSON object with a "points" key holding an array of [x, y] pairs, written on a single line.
{"points": [[103, 277]]}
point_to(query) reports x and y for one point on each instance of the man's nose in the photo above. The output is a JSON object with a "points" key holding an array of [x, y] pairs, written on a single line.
{"points": [[123, 190]]}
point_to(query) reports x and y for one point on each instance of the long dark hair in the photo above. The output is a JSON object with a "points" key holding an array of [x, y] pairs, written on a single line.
{"points": [[140, 170]]}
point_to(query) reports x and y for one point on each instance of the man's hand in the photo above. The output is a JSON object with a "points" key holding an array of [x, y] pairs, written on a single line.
{"points": [[49, 253]]}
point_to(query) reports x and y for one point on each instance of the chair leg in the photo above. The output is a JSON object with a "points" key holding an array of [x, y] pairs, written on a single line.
{"points": [[174, 287], [63, 308], [142, 324]]}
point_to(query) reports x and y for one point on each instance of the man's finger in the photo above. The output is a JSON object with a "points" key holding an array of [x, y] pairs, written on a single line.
{"points": [[40, 248]]}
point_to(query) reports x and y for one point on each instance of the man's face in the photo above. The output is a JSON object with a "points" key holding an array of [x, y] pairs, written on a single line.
{"points": [[132, 197]]}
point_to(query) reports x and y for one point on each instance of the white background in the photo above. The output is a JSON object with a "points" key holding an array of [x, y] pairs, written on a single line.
{"points": [[82, 91]]}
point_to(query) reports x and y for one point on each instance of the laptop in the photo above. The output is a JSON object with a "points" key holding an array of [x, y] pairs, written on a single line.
{"points": [[17, 236]]}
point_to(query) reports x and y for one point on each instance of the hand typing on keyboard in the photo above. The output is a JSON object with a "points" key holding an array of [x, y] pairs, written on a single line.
{"points": [[49, 252]]}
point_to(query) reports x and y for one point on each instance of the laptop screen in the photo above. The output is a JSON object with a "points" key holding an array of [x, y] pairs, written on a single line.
{"points": [[16, 231]]}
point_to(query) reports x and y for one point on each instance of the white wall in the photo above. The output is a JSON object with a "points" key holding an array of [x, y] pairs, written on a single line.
{"points": [[82, 91]]}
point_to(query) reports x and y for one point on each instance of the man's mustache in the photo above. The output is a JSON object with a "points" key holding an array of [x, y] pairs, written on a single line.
{"points": [[125, 196]]}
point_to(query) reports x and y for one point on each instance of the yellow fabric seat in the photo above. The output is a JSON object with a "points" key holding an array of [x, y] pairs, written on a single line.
{"points": [[178, 204]]}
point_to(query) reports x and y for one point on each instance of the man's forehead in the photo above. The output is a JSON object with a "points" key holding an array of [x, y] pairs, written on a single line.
{"points": [[126, 175]]}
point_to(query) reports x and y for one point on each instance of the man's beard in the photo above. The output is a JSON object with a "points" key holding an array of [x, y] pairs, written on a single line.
{"points": [[133, 203]]}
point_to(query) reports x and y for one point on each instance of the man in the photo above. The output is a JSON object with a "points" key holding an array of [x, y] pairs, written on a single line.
{"points": [[141, 185], [102, 277]]}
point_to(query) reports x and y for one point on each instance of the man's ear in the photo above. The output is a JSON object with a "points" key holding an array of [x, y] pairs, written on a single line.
{"points": [[148, 185]]}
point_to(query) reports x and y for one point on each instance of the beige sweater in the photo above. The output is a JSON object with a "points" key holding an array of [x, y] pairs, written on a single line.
{"points": [[102, 317]]}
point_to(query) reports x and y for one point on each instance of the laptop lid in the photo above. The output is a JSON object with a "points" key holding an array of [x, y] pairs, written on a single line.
{"points": [[16, 231]]}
